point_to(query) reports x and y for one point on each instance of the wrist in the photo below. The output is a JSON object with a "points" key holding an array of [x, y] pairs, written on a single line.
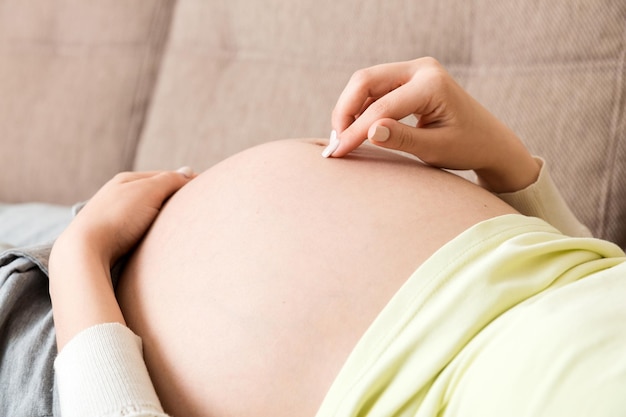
{"points": [[512, 172], [73, 248]]}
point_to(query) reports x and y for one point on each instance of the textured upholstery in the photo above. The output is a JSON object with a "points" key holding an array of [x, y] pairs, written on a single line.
{"points": [[82, 101], [75, 80]]}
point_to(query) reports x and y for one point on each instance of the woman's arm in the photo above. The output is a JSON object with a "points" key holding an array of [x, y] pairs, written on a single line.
{"points": [[88, 320]]}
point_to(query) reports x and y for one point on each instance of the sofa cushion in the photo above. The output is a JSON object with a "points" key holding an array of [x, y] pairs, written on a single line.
{"points": [[239, 73], [555, 72], [75, 79]]}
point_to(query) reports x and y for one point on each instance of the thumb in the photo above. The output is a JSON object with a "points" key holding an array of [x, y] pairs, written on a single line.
{"points": [[389, 133]]}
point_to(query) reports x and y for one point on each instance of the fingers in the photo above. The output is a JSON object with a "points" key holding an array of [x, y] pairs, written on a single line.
{"points": [[388, 133], [130, 176], [370, 94], [391, 91], [186, 171], [424, 143], [365, 86], [166, 183], [160, 184], [396, 105]]}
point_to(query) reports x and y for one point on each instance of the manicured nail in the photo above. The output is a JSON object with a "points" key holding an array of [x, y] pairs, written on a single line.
{"points": [[333, 144], [186, 171], [378, 134]]}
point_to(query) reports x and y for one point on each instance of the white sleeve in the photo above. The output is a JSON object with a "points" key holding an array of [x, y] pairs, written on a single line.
{"points": [[101, 372], [542, 199]]}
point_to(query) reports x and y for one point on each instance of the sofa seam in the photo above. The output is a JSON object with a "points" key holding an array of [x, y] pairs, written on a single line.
{"points": [[146, 80]]}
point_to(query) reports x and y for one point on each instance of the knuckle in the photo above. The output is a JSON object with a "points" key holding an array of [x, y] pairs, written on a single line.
{"points": [[429, 62], [361, 78], [432, 72], [122, 176], [436, 77]]}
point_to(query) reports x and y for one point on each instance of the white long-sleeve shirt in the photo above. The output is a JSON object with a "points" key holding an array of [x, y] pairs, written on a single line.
{"points": [[101, 371]]}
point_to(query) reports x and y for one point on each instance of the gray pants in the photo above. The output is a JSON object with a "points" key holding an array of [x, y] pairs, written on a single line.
{"points": [[27, 337]]}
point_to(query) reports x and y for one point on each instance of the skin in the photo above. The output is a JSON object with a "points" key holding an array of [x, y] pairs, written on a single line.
{"points": [[235, 271], [277, 261]]}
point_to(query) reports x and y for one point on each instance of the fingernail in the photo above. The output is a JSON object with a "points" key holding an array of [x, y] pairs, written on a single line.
{"points": [[186, 171], [378, 134], [333, 144]]}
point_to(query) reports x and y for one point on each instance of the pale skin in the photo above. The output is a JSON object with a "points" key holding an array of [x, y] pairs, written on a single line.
{"points": [[234, 242]]}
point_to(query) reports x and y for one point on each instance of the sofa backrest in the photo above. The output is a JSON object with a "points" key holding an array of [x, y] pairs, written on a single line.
{"points": [[89, 88], [237, 73], [75, 81]]}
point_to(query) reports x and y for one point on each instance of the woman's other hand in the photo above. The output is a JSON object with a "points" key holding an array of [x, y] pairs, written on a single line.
{"points": [[111, 223], [120, 213], [453, 131]]}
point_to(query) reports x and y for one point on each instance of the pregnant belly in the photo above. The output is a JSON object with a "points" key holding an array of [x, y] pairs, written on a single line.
{"points": [[259, 277]]}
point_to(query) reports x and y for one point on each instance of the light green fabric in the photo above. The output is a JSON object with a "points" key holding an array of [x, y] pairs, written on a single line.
{"points": [[510, 318]]}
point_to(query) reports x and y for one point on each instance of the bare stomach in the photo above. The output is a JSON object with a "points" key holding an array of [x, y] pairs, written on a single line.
{"points": [[260, 276]]}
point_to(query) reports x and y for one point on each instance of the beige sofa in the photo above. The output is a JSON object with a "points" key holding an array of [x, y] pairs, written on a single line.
{"points": [[90, 88]]}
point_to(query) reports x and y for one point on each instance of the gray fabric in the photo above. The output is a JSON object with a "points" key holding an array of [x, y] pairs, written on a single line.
{"points": [[27, 338], [31, 224]]}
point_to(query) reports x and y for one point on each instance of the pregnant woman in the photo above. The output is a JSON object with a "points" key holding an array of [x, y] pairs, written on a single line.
{"points": [[369, 283]]}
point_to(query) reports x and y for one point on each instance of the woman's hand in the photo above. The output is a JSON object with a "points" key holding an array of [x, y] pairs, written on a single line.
{"points": [[111, 223], [120, 213], [453, 130]]}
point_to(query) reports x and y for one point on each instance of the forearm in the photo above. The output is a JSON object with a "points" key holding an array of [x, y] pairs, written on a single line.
{"points": [[80, 288], [100, 366], [100, 369]]}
